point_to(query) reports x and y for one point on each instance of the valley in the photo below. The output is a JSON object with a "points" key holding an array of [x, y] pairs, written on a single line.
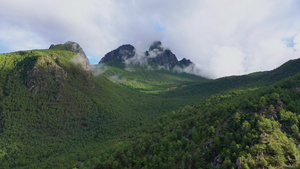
{"points": [[143, 110]]}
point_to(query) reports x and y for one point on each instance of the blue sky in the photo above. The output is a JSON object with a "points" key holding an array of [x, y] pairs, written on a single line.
{"points": [[223, 37], [290, 41]]}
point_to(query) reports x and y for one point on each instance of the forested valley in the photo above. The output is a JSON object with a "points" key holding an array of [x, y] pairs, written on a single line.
{"points": [[55, 112]]}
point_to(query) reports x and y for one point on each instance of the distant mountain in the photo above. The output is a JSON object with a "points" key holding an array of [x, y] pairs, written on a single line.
{"points": [[161, 56], [121, 54], [186, 62], [152, 71], [157, 54]]}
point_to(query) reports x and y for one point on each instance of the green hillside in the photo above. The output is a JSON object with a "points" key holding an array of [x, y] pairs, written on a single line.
{"points": [[260, 79], [146, 78], [51, 108], [55, 113], [243, 128]]}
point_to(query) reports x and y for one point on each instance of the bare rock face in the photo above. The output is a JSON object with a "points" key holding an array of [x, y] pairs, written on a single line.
{"points": [[157, 53], [80, 59], [161, 56], [185, 62], [238, 163], [121, 54]]}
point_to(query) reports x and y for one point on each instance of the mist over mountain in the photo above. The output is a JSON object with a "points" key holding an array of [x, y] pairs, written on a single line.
{"points": [[121, 54], [157, 54], [161, 55]]}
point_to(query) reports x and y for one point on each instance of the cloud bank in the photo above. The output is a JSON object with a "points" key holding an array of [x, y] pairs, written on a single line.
{"points": [[222, 37]]}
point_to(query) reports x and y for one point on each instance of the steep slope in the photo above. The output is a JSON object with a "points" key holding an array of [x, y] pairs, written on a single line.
{"points": [[156, 54], [161, 56], [52, 109], [54, 113], [121, 54], [239, 129], [253, 80]]}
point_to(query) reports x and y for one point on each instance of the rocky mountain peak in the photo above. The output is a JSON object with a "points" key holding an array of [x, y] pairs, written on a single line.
{"points": [[122, 53], [185, 62], [156, 45], [161, 56], [157, 53], [74, 47]]}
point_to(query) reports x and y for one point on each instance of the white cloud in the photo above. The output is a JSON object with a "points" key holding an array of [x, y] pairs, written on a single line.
{"points": [[191, 69], [205, 31], [227, 61], [297, 42]]}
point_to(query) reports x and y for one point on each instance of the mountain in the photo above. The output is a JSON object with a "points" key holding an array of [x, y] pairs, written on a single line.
{"points": [[50, 103], [74, 47], [145, 78], [153, 71], [161, 56], [157, 54], [121, 54], [253, 80], [57, 111], [185, 62]]}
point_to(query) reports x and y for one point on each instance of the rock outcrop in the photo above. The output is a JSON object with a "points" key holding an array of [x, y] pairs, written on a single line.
{"points": [[80, 59], [161, 56], [156, 53], [121, 54], [185, 62]]}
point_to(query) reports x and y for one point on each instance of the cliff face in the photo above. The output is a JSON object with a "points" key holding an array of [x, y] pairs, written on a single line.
{"points": [[156, 53], [185, 62], [161, 56], [121, 54]]}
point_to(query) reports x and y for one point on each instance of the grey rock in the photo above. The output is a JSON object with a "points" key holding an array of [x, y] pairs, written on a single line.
{"points": [[163, 56], [121, 54], [238, 163]]}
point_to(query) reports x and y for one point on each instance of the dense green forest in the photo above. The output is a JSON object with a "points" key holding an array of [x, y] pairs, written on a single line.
{"points": [[253, 128], [55, 114]]}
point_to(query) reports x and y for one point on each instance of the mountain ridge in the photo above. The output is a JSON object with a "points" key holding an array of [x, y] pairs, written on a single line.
{"points": [[156, 53]]}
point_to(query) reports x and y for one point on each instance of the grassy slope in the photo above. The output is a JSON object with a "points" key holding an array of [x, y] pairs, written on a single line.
{"points": [[200, 90], [148, 79]]}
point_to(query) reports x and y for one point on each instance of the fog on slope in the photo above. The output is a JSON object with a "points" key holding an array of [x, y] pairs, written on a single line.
{"points": [[144, 59]]}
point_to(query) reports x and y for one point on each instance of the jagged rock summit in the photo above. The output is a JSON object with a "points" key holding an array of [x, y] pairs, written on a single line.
{"points": [[81, 58], [121, 54], [186, 62], [157, 53], [161, 55]]}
